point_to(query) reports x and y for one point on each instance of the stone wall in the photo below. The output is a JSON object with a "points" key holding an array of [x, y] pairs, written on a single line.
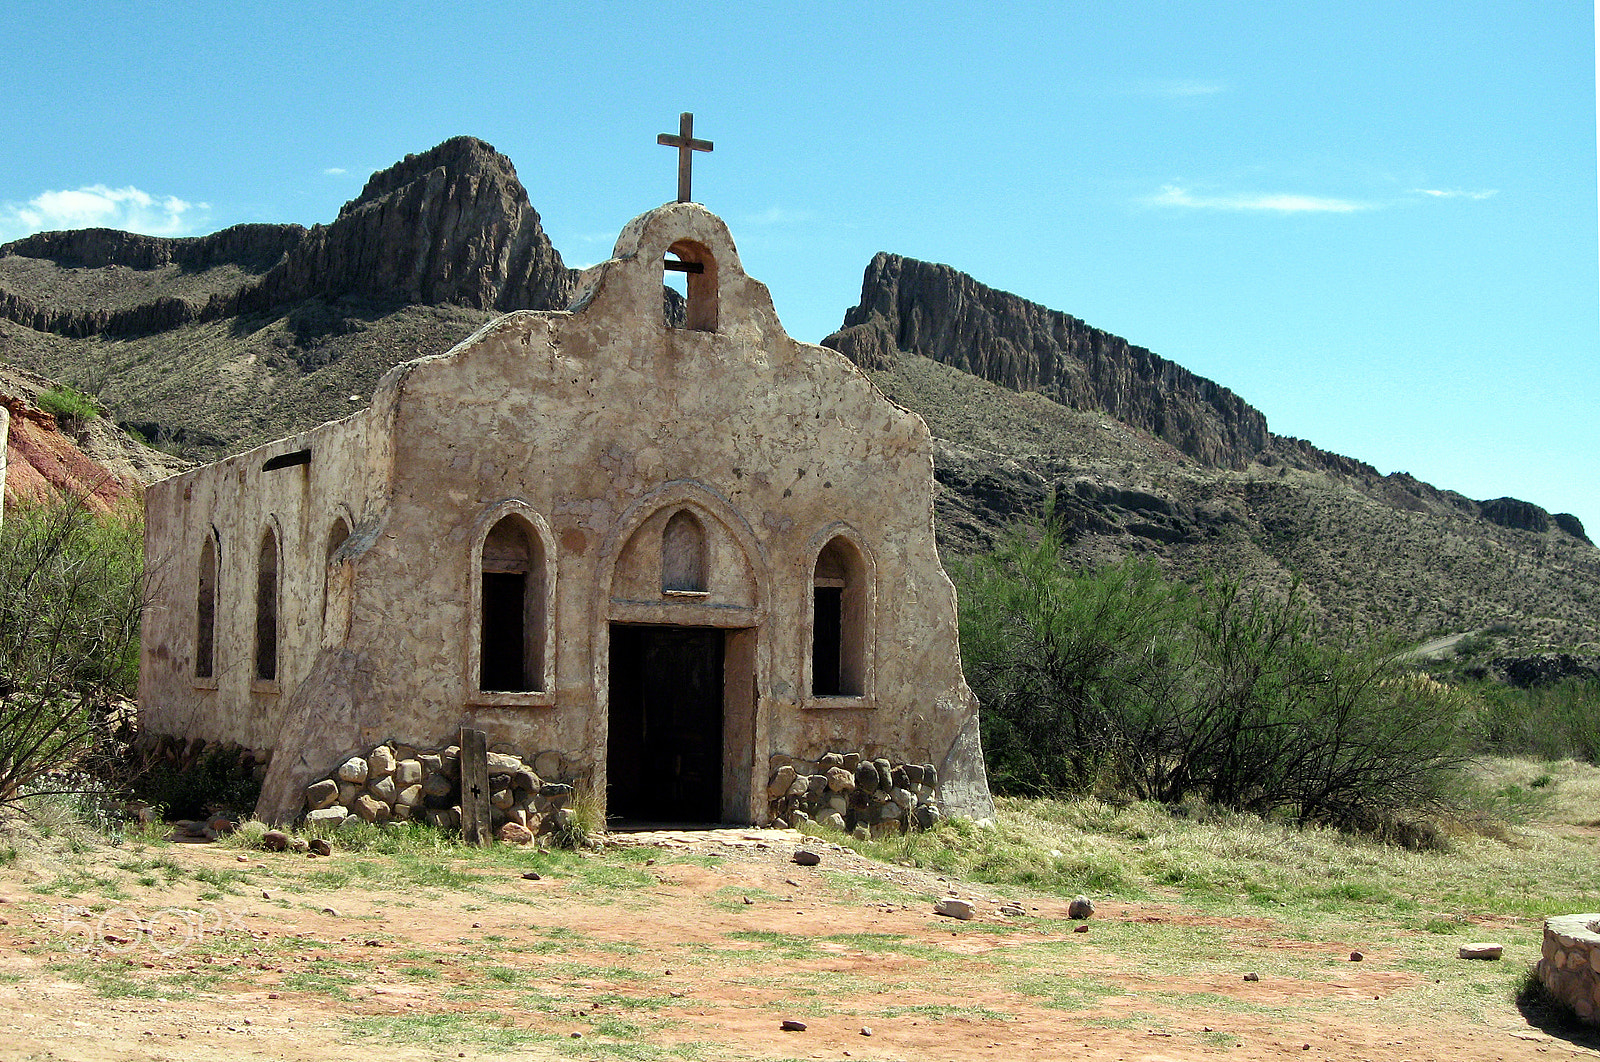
{"points": [[395, 782], [1570, 968], [854, 793]]}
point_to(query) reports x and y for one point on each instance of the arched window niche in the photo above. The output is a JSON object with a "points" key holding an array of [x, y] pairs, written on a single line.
{"points": [[510, 655], [337, 534], [699, 268], [268, 593], [684, 563], [841, 621], [205, 613]]}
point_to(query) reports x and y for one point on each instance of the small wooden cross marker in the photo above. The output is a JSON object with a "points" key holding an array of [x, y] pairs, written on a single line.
{"points": [[686, 145]]}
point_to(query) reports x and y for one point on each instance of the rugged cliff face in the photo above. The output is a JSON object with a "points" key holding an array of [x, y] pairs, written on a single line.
{"points": [[451, 226], [919, 308], [916, 307]]}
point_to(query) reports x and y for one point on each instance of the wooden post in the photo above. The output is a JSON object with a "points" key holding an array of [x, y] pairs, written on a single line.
{"points": [[475, 787]]}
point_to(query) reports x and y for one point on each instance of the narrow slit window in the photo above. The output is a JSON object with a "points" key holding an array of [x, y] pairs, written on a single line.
{"points": [[336, 538], [267, 608], [511, 645], [205, 633]]}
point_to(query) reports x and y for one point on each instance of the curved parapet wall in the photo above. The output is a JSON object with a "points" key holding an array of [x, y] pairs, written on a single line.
{"points": [[1570, 968]]}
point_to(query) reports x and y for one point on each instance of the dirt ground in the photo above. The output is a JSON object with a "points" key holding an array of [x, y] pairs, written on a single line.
{"points": [[691, 946]]}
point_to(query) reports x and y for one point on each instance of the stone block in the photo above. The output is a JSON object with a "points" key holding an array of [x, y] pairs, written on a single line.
{"points": [[840, 780], [380, 762], [371, 809], [830, 760], [501, 799], [401, 813], [514, 833], [501, 763], [832, 821], [383, 788], [353, 770], [903, 798], [322, 794], [409, 797], [781, 781], [885, 773], [852, 760], [437, 785], [333, 815], [407, 772]]}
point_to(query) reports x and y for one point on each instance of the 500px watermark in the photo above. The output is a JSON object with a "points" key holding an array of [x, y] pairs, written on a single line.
{"points": [[168, 931]]}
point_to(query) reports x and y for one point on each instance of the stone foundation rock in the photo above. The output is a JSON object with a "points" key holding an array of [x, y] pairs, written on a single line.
{"points": [[850, 792], [1570, 966], [397, 782]]}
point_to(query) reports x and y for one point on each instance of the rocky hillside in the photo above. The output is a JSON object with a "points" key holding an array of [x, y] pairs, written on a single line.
{"points": [[215, 343], [48, 457], [1385, 553], [917, 308]]}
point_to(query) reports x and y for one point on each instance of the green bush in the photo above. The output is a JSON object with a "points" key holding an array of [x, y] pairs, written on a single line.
{"points": [[71, 590], [1118, 680], [68, 406], [216, 780], [1551, 722]]}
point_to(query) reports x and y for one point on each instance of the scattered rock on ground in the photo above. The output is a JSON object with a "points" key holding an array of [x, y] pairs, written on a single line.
{"points": [[1082, 907], [954, 907], [1480, 950], [807, 858]]}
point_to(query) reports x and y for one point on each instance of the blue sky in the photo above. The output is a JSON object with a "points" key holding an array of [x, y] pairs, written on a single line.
{"points": [[1374, 221]]}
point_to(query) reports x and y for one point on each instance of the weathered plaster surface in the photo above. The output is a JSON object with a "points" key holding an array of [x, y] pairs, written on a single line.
{"points": [[595, 425]]}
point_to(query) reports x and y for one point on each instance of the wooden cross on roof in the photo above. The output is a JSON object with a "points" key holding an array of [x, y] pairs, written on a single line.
{"points": [[686, 145]]}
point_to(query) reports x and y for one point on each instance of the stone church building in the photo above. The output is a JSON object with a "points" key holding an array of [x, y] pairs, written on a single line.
{"points": [[679, 564]]}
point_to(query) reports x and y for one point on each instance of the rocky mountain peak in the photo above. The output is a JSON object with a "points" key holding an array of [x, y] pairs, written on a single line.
{"points": [[451, 225], [460, 156], [941, 313]]}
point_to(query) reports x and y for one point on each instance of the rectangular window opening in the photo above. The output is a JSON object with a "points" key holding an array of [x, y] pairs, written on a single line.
{"points": [[827, 628], [503, 664]]}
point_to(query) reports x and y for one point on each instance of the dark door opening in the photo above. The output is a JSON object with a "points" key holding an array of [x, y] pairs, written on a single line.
{"points": [[664, 752]]}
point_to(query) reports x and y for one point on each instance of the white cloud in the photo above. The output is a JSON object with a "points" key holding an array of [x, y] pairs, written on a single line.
{"points": [[98, 206], [1455, 193], [1178, 88], [334, 171], [1280, 203], [778, 216]]}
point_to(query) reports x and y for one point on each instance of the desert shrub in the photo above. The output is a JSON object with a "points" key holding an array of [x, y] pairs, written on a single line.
{"points": [[68, 406], [71, 590], [1119, 680], [216, 780], [1552, 722]]}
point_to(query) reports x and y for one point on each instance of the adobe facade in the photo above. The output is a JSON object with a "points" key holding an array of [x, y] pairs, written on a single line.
{"points": [[674, 560]]}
